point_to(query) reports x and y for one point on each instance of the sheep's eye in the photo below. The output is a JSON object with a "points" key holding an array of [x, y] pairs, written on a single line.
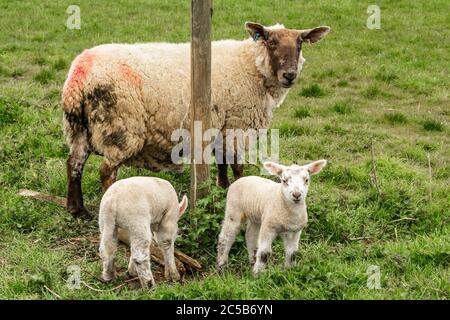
{"points": [[306, 180], [272, 43], [285, 181]]}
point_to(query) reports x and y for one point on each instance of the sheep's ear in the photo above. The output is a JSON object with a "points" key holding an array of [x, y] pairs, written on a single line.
{"points": [[316, 166], [274, 168], [315, 34], [257, 31], [183, 205]]}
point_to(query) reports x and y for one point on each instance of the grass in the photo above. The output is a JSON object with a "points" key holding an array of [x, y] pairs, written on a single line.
{"points": [[302, 113], [433, 125], [396, 118], [343, 108], [312, 91], [337, 111]]}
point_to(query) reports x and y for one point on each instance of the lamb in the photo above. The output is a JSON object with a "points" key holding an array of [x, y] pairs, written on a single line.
{"points": [[140, 206], [124, 101], [271, 209]]}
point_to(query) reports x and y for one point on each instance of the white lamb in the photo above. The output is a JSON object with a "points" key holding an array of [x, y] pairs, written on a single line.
{"points": [[271, 209], [140, 205]]}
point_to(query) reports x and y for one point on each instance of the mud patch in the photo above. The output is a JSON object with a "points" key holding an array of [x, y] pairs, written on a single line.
{"points": [[117, 139]]}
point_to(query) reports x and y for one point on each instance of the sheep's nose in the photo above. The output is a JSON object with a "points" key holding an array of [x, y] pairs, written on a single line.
{"points": [[296, 195], [290, 75]]}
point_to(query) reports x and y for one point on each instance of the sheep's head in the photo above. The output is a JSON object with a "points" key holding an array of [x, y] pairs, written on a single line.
{"points": [[284, 48], [295, 178]]}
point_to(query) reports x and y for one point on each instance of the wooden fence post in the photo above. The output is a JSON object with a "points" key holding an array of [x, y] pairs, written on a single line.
{"points": [[200, 93]]}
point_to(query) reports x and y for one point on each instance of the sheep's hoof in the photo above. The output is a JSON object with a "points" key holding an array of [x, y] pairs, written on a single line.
{"points": [[223, 183], [79, 212]]}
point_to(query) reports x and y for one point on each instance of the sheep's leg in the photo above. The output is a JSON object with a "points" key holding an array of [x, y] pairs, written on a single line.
{"points": [[166, 235], [265, 239], [108, 174], [230, 229], [251, 237], [108, 248], [79, 153], [238, 170], [290, 241], [140, 240], [222, 177]]}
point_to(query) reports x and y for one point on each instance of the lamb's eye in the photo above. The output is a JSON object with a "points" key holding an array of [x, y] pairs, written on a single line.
{"points": [[285, 181], [306, 180]]}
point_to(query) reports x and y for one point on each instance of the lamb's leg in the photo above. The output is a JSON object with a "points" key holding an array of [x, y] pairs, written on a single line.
{"points": [[265, 239], [132, 268], [140, 240], [290, 241], [166, 235], [79, 153], [230, 228], [251, 237], [108, 248], [108, 174]]}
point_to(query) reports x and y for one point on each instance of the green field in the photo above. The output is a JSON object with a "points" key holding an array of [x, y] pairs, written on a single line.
{"points": [[366, 99]]}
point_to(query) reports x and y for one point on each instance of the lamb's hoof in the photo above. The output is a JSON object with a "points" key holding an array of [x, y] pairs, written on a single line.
{"points": [[175, 277], [132, 271], [148, 285], [79, 212], [220, 268], [257, 271], [108, 276]]}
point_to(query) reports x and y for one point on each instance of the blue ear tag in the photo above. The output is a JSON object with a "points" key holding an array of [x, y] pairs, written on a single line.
{"points": [[256, 37]]}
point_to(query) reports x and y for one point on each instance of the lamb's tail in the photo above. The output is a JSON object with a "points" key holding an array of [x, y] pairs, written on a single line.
{"points": [[183, 205]]}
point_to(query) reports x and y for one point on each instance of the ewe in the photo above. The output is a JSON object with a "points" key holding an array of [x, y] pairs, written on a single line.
{"points": [[271, 209], [123, 101], [140, 205]]}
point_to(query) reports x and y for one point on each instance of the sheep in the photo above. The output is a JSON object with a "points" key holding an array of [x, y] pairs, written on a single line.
{"points": [[140, 206], [271, 209], [123, 101]]}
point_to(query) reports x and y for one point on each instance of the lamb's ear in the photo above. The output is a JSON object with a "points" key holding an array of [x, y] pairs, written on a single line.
{"points": [[315, 34], [183, 205], [316, 166], [274, 168], [257, 31]]}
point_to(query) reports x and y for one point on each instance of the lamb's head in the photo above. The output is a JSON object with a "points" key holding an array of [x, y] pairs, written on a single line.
{"points": [[295, 178], [284, 48]]}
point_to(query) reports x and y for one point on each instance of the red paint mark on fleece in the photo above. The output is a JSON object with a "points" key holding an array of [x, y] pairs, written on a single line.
{"points": [[130, 75], [74, 84]]}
